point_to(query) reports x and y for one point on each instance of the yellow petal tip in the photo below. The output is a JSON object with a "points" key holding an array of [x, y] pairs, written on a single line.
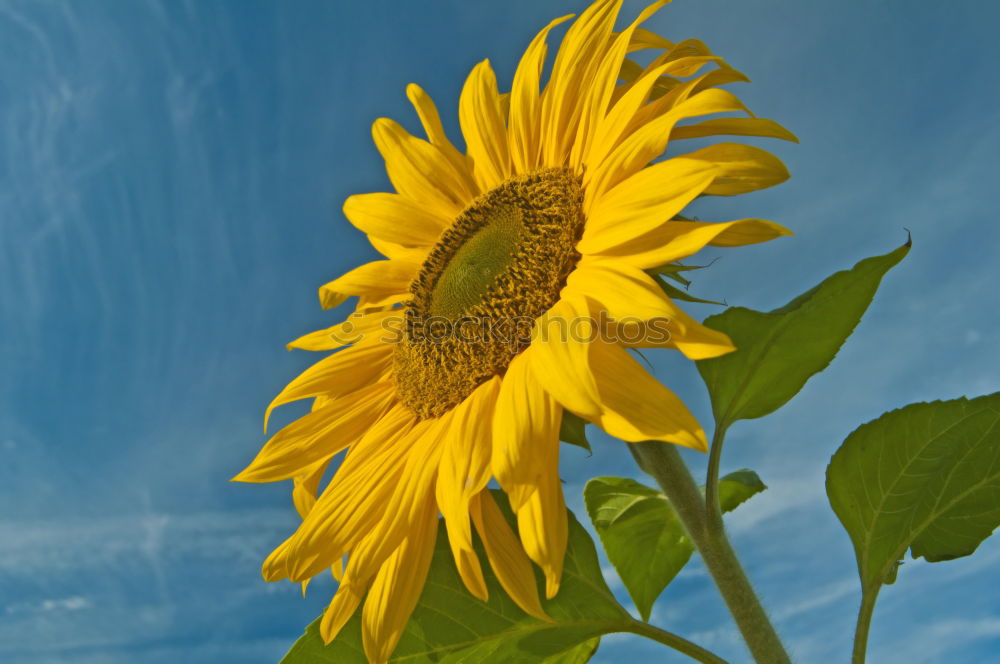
{"points": [[241, 476], [551, 585], [701, 442]]}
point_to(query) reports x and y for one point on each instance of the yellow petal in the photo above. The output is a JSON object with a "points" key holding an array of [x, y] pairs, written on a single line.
{"points": [[721, 76], [675, 63], [484, 128], [380, 440], [340, 610], [748, 231], [305, 486], [642, 39], [698, 342], [576, 62], [650, 140], [345, 371], [611, 128], [469, 568], [398, 251], [635, 406], [355, 329], [671, 92], [463, 472], [427, 111], [363, 564], [557, 357], [674, 240], [332, 529], [507, 558], [525, 108], [356, 578], [371, 303], [689, 48], [742, 168], [401, 502], [542, 522], [274, 567], [465, 463], [734, 127], [646, 317], [689, 66], [643, 202], [525, 417], [397, 587], [431, 121], [681, 332], [395, 218], [379, 278], [319, 435], [624, 292], [336, 571], [420, 171], [596, 96], [355, 501]]}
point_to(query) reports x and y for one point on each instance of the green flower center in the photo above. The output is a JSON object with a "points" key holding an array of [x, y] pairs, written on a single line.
{"points": [[477, 263], [498, 267]]}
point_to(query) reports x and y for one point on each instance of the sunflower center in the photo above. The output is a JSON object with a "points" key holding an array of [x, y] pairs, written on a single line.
{"points": [[498, 267]]}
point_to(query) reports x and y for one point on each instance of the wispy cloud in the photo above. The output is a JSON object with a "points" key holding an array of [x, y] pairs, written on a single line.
{"points": [[131, 582], [937, 641]]}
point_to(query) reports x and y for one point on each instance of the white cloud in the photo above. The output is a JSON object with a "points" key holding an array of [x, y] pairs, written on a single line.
{"points": [[38, 548], [819, 598], [935, 642], [73, 603]]}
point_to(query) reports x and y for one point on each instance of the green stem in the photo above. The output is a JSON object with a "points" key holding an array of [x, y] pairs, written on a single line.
{"points": [[864, 623], [692, 650], [662, 461], [712, 477]]}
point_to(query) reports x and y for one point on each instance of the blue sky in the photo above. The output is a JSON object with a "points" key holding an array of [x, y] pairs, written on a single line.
{"points": [[171, 175]]}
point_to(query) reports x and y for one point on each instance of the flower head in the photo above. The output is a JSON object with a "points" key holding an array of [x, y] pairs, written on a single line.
{"points": [[513, 287]]}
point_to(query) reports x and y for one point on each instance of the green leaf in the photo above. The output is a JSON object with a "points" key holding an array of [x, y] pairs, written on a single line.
{"points": [[643, 536], [573, 430], [576, 655], [450, 626], [778, 351], [738, 487], [925, 477]]}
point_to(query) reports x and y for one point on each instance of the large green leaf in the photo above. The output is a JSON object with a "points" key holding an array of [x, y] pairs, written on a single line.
{"points": [[450, 626], [778, 351], [643, 536], [925, 477]]}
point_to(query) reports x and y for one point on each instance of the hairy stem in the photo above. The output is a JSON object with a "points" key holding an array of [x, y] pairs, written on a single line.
{"points": [[663, 462]]}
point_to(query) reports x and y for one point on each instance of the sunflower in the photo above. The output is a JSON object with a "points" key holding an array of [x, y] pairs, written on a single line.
{"points": [[515, 282]]}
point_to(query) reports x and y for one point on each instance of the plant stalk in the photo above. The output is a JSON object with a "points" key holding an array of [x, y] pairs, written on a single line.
{"points": [[662, 461], [692, 650], [712, 503], [864, 623]]}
